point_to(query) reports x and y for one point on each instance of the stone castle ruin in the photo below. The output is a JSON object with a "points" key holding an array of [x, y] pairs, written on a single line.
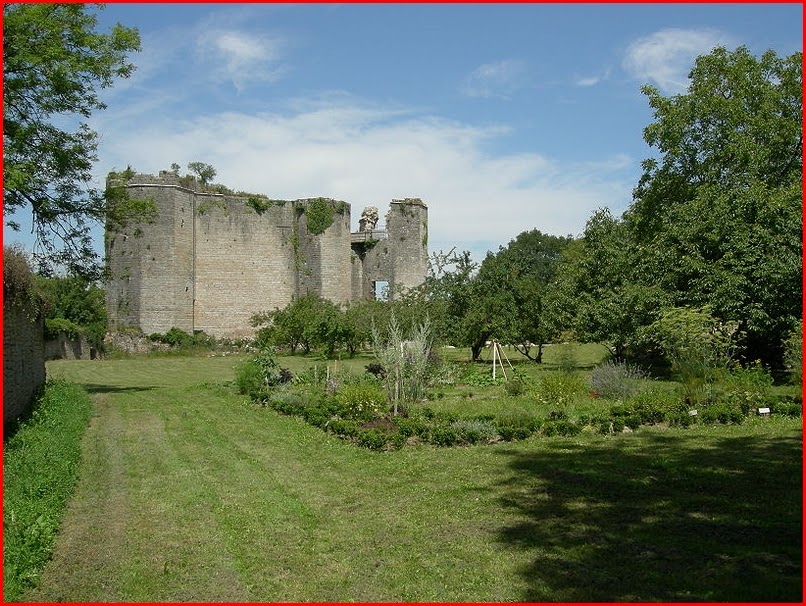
{"points": [[210, 261]]}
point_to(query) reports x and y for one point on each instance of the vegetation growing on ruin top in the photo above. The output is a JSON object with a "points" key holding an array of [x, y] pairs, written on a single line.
{"points": [[320, 213]]}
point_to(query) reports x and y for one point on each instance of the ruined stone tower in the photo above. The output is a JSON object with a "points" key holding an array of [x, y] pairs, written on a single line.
{"points": [[210, 261]]}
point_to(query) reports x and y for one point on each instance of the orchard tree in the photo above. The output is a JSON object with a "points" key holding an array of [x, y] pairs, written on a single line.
{"points": [[717, 216], [290, 327], [530, 263], [54, 63], [506, 297]]}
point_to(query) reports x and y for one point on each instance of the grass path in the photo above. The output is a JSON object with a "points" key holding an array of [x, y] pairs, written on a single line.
{"points": [[189, 493]]}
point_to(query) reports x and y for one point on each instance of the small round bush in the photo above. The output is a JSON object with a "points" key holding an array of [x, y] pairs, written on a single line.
{"points": [[444, 436], [514, 388], [374, 439], [249, 379], [343, 427], [616, 380], [408, 426], [472, 431]]}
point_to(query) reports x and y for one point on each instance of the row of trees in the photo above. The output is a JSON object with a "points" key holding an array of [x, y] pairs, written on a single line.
{"points": [[713, 233]]}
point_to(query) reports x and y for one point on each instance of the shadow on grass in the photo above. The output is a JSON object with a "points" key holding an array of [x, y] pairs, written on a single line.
{"points": [[93, 388], [659, 518]]}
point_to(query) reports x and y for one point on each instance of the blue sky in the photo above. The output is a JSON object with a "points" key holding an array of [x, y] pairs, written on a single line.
{"points": [[502, 118]]}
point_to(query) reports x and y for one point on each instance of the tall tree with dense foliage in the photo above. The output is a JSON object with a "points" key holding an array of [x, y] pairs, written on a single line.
{"points": [[54, 63], [599, 292], [506, 297], [716, 217]]}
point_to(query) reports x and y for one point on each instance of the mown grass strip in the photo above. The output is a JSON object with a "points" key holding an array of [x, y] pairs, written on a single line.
{"points": [[40, 469]]}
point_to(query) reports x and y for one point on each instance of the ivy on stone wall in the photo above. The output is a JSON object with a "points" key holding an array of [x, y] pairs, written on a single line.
{"points": [[121, 208], [320, 213], [260, 204]]}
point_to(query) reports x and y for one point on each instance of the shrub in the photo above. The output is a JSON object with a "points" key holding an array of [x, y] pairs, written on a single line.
{"points": [[652, 406], [510, 433], [256, 376], [56, 326], [289, 404], [558, 389], [444, 436], [566, 358], [788, 406], [472, 431], [793, 354], [697, 344], [361, 401], [343, 427], [374, 439], [176, 337], [249, 379], [562, 427], [313, 375], [747, 388], [616, 380], [681, 419], [721, 412], [514, 387], [408, 426], [316, 415], [525, 421]]}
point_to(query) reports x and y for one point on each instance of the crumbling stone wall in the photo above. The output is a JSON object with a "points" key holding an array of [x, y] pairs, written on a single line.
{"points": [[211, 261], [399, 254], [23, 360], [64, 347]]}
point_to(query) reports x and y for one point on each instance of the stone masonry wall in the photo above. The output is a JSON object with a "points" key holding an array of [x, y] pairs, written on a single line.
{"points": [[401, 258], [324, 259], [151, 265], [23, 361], [211, 261], [244, 264]]}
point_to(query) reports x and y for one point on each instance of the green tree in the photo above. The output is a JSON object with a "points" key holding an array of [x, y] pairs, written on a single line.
{"points": [[54, 62], [205, 172], [698, 346], [289, 327], [76, 301], [329, 330], [598, 292], [447, 296], [531, 262], [717, 216], [508, 293], [359, 318]]}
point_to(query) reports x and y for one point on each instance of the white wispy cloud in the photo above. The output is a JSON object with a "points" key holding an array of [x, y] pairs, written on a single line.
{"points": [[593, 80], [667, 56], [498, 79], [240, 57], [366, 154]]}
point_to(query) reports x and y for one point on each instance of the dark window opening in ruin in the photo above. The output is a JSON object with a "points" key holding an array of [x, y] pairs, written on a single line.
{"points": [[381, 290]]}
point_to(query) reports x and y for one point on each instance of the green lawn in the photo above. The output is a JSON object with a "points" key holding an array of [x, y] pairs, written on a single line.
{"points": [[188, 492]]}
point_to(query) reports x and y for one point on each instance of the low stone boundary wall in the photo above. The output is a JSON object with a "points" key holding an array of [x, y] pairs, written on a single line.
{"points": [[23, 361]]}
